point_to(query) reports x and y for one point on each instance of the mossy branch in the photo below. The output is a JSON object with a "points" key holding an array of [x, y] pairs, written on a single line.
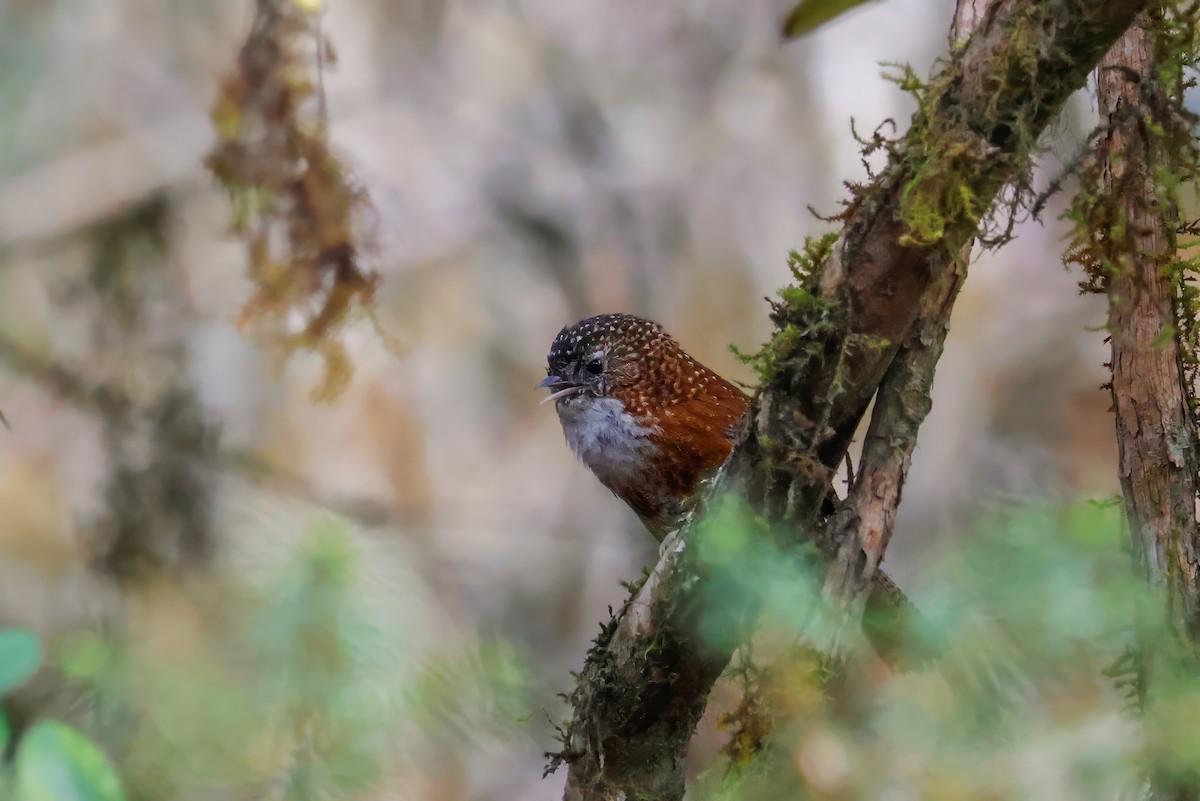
{"points": [[859, 534], [643, 689]]}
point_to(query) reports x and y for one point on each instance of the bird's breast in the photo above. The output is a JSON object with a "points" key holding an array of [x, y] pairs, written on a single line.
{"points": [[613, 443]]}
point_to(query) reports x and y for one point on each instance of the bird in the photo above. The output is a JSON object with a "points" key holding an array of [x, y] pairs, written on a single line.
{"points": [[650, 422]]}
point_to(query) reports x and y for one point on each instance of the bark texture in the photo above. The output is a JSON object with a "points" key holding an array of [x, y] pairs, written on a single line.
{"points": [[1156, 431], [648, 676], [1156, 434], [862, 532]]}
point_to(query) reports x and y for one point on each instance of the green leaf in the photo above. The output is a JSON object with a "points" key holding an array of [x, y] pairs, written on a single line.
{"points": [[4, 735], [57, 763], [808, 15], [20, 656]]}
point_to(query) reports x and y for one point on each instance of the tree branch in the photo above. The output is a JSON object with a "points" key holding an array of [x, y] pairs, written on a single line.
{"points": [[648, 676], [862, 532]]}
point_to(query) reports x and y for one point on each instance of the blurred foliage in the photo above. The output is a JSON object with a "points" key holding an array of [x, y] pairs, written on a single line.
{"points": [[1037, 616], [57, 763], [295, 206], [310, 690], [808, 15], [20, 655], [52, 761]]}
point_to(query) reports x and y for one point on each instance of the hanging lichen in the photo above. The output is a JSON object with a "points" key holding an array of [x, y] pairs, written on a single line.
{"points": [[295, 206]]}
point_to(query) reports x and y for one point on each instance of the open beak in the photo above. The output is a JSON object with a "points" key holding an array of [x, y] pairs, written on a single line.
{"points": [[561, 388]]}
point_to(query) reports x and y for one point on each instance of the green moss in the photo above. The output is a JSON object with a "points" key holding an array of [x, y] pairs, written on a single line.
{"points": [[798, 297], [950, 144], [937, 190], [806, 264], [939, 193], [801, 315], [788, 342]]}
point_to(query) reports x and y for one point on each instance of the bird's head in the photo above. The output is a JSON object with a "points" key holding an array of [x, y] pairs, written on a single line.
{"points": [[616, 375], [648, 419], [615, 356]]}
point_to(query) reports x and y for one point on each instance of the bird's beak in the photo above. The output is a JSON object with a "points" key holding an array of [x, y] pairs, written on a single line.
{"points": [[561, 388]]}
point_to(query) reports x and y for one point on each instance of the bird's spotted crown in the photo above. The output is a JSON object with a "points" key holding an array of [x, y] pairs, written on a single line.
{"points": [[643, 365], [612, 333]]}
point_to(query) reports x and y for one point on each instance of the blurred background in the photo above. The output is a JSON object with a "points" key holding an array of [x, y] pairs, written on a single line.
{"points": [[530, 163]]}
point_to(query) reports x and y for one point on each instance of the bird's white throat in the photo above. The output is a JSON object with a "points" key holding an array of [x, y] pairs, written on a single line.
{"points": [[609, 440]]}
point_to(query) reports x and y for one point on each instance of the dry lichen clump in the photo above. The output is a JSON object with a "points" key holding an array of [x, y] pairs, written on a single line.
{"points": [[295, 206]]}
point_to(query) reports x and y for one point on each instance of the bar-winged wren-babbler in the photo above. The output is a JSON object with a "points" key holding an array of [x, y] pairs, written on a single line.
{"points": [[646, 418], [652, 423]]}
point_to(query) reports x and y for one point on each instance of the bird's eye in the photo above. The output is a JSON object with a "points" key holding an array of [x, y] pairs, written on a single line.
{"points": [[595, 367]]}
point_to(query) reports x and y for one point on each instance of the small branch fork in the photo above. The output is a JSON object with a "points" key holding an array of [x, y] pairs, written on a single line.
{"points": [[862, 532], [649, 673]]}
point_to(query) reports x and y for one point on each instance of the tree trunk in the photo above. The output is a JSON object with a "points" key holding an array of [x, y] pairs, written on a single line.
{"points": [[1156, 431], [1155, 428]]}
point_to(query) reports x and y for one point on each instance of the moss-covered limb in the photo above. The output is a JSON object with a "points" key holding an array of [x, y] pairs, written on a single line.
{"points": [[977, 124], [860, 534], [645, 685], [642, 692]]}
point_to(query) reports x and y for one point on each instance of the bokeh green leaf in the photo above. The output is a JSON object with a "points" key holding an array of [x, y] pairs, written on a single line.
{"points": [[57, 763], [808, 15], [20, 655]]}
